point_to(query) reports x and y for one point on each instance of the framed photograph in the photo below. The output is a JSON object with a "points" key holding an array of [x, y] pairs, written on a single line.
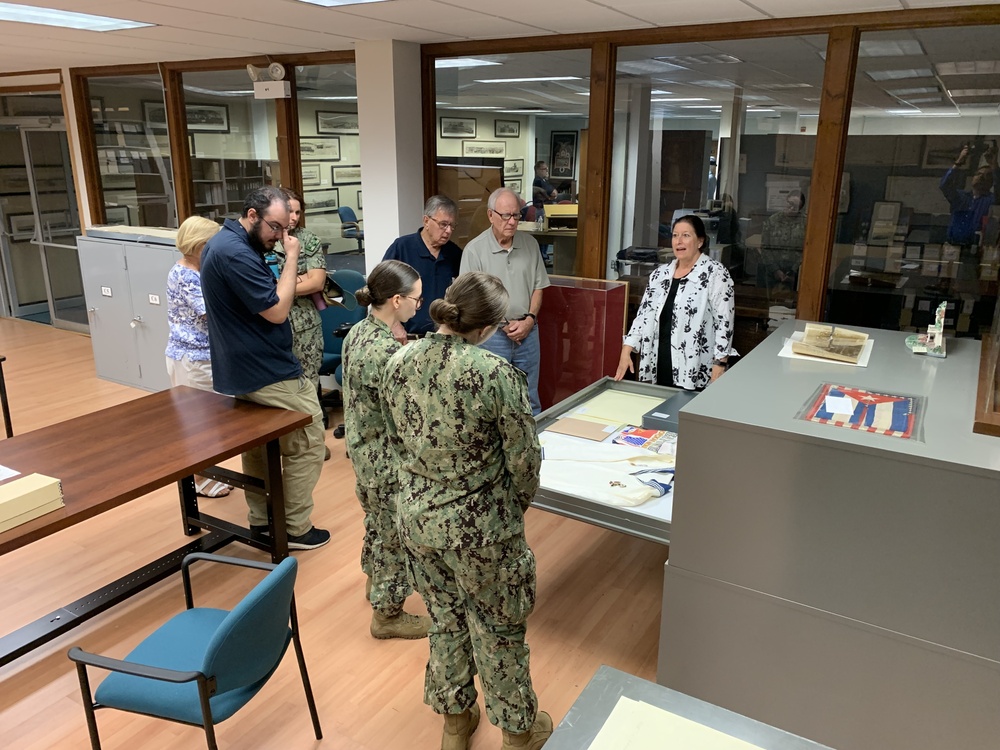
{"points": [[320, 148], [458, 127], [337, 123], [940, 151], [513, 168], [506, 129], [346, 175], [22, 225], [360, 207], [322, 201], [207, 118], [201, 118], [311, 175], [97, 108], [117, 215], [484, 148], [885, 217], [562, 155], [514, 185]]}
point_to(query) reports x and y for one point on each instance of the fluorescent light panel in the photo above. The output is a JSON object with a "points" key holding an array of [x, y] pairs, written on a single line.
{"points": [[970, 67], [897, 75], [64, 19], [682, 99], [462, 62], [339, 3], [890, 48], [534, 79]]}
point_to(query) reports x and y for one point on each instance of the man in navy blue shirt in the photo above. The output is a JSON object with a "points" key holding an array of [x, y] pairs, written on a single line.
{"points": [[251, 345], [434, 256], [969, 207]]}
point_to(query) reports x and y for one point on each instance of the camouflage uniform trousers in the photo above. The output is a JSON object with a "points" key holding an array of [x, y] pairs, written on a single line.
{"points": [[307, 346], [382, 554], [479, 601]]}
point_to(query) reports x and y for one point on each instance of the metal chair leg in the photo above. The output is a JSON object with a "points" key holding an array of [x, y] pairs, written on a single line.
{"points": [[88, 706], [307, 686], [3, 401], [204, 693]]}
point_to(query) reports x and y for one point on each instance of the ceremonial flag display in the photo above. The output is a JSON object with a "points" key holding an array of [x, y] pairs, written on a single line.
{"points": [[889, 414]]}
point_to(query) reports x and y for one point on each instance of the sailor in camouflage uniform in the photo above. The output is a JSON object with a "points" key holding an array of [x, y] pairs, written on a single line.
{"points": [[393, 291], [460, 419], [307, 333]]}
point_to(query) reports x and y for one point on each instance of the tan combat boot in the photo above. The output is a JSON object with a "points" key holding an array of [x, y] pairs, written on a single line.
{"points": [[533, 739], [458, 728], [403, 625]]}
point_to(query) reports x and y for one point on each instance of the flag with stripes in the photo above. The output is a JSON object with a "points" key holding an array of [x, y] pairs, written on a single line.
{"points": [[879, 413]]}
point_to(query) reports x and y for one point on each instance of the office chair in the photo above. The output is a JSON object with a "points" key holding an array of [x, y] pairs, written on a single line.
{"points": [[203, 665], [336, 321], [350, 227]]}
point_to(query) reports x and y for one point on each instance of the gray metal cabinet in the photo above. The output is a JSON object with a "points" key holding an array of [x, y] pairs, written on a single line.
{"points": [[125, 285]]}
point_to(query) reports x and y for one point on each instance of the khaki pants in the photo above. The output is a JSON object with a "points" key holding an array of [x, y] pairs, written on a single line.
{"points": [[302, 454]]}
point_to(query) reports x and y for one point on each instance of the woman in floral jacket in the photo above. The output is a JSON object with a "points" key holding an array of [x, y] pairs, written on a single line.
{"points": [[684, 329]]}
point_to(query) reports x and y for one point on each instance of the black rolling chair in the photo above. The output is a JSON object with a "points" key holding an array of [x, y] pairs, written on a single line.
{"points": [[350, 228]]}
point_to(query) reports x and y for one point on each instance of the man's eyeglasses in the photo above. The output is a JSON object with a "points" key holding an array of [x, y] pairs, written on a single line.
{"points": [[507, 217], [445, 225], [418, 300], [275, 226]]}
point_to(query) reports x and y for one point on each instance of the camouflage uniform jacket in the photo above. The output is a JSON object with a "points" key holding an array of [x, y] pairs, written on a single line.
{"points": [[469, 458], [303, 315], [367, 349]]}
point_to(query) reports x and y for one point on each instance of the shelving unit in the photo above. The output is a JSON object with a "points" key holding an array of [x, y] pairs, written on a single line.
{"points": [[220, 185], [136, 174]]}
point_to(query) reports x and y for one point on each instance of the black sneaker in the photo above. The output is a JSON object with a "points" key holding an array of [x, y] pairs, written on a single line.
{"points": [[260, 533], [310, 540]]}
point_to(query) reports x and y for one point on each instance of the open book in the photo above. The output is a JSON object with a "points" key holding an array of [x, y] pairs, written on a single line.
{"points": [[828, 342]]}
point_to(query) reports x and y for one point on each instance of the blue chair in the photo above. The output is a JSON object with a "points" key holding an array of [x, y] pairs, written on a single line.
{"points": [[203, 665], [336, 321], [350, 227]]}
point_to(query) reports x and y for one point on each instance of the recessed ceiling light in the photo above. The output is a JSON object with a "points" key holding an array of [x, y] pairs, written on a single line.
{"points": [[890, 48], [524, 111], [702, 106], [918, 113], [65, 19], [710, 59], [902, 111], [896, 75], [682, 99], [917, 90], [339, 3], [533, 79], [462, 62], [924, 99], [972, 67], [958, 93], [333, 98], [781, 86]]}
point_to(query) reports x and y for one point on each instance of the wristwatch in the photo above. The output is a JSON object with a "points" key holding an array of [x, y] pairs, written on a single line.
{"points": [[532, 316]]}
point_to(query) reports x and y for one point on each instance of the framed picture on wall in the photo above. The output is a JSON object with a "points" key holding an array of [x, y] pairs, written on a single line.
{"points": [[513, 168], [514, 185], [941, 151], [117, 215], [311, 175], [346, 175], [22, 225], [337, 123], [320, 148], [484, 148], [201, 118], [360, 207], [458, 127], [506, 129], [322, 201], [562, 155]]}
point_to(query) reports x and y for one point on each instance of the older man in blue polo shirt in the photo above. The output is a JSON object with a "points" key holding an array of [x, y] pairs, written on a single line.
{"points": [[432, 253], [250, 340]]}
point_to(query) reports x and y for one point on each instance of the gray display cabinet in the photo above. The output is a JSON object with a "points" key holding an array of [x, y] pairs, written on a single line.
{"points": [[125, 285], [840, 585], [649, 521]]}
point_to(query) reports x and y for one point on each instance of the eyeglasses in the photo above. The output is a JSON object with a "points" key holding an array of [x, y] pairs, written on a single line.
{"points": [[275, 226], [418, 300], [446, 226], [507, 217], [686, 236]]}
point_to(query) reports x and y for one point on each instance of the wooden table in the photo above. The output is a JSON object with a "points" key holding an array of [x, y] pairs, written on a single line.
{"points": [[112, 456]]}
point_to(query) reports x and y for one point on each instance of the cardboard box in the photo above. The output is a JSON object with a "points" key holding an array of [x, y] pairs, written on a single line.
{"points": [[28, 497]]}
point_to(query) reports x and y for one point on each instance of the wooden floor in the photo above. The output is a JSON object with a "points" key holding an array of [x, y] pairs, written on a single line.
{"points": [[598, 602]]}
